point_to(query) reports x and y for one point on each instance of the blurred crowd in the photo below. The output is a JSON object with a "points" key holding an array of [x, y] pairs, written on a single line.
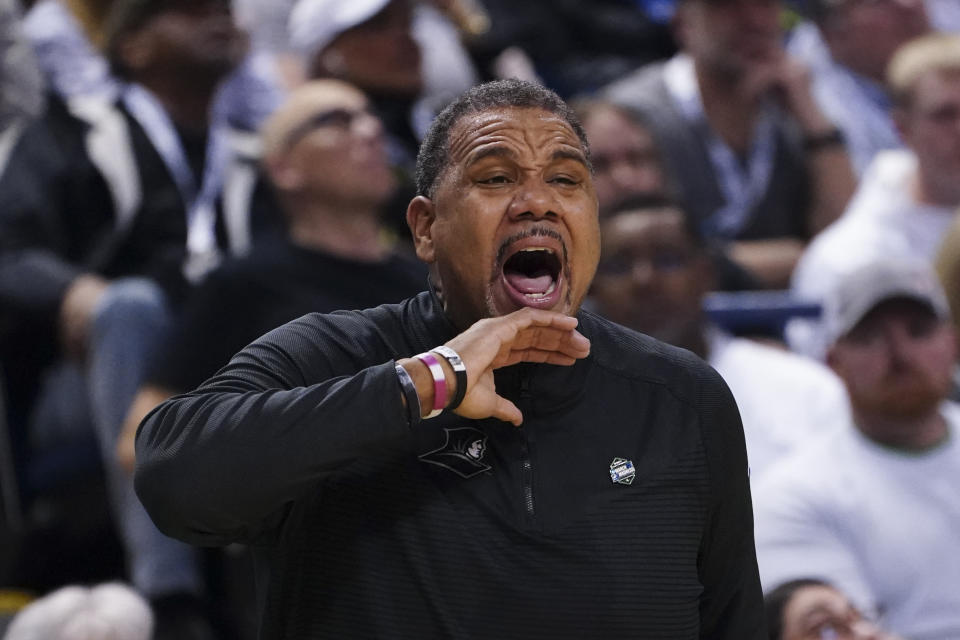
{"points": [[179, 177]]}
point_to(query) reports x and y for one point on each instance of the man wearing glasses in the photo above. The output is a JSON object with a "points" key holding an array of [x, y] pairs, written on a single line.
{"points": [[324, 157]]}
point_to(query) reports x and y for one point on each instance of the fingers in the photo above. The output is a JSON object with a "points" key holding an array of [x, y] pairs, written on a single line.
{"points": [[536, 355], [533, 331], [529, 317], [569, 342], [543, 345], [507, 411]]}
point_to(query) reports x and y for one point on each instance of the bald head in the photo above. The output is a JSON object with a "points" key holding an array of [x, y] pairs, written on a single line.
{"points": [[324, 144], [303, 103]]}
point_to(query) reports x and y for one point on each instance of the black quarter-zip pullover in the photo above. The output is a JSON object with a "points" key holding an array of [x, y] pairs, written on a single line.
{"points": [[620, 509]]}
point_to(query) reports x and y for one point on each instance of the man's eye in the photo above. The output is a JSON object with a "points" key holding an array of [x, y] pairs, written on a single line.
{"points": [[495, 180], [564, 180]]}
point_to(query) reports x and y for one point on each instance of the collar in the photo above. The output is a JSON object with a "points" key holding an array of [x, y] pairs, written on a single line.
{"points": [[538, 389]]}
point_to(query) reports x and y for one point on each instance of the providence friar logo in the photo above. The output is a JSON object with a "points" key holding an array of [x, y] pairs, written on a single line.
{"points": [[462, 452]]}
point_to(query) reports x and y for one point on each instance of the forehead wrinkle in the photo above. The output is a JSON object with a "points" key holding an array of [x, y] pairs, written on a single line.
{"points": [[467, 135], [503, 127], [491, 150]]}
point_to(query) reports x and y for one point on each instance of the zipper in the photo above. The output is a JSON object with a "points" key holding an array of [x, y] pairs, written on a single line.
{"points": [[526, 464]]}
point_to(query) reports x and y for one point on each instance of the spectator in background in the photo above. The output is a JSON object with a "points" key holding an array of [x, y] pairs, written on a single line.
{"points": [[103, 224], [653, 275], [575, 46], [756, 162], [626, 160], [105, 612], [404, 56], [627, 166], [908, 199], [21, 86], [384, 48], [325, 157], [874, 508], [948, 268], [69, 37], [809, 609], [848, 56]]}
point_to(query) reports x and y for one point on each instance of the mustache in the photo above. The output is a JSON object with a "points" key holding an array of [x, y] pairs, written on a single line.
{"points": [[532, 232]]}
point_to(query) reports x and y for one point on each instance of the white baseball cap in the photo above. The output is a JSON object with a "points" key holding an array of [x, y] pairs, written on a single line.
{"points": [[315, 23], [860, 291]]}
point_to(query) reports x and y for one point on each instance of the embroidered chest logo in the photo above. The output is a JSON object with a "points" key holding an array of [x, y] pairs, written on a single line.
{"points": [[462, 452], [622, 471]]}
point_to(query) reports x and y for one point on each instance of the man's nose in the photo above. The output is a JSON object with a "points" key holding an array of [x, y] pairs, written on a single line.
{"points": [[534, 199], [899, 344]]}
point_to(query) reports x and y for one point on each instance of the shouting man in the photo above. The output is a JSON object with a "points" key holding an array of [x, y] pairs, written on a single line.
{"points": [[374, 459]]}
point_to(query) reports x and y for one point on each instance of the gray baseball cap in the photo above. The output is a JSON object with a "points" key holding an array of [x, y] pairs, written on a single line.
{"points": [[860, 291]]}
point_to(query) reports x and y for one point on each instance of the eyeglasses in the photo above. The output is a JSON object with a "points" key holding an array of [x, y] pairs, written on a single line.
{"points": [[854, 626], [345, 120]]}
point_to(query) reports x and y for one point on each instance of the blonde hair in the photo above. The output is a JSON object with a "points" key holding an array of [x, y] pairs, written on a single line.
{"points": [[936, 52]]}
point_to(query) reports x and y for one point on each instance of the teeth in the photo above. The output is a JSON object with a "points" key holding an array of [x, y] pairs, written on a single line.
{"points": [[529, 249], [537, 296]]}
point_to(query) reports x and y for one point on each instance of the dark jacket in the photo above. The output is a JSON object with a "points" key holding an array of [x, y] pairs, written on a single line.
{"points": [[458, 528], [784, 208]]}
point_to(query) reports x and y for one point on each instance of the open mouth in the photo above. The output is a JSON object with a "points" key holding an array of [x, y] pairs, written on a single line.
{"points": [[532, 276]]}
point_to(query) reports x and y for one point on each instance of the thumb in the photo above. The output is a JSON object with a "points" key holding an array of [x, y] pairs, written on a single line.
{"points": [[507, 411]]}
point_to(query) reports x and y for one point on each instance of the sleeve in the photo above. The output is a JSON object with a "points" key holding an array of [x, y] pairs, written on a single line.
{"points": [[795, 539], [227, 462], [51, 200], [731, 605]]}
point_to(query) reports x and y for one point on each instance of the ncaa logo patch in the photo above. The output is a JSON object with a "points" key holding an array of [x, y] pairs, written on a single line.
{"points": [[622, 471]]}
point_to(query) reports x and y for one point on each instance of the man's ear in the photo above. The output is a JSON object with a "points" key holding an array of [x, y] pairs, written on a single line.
{"points": [[284, 175], [421, 215]]}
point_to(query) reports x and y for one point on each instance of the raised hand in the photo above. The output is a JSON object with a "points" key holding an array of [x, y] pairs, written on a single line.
{"points": [[527, 335]]}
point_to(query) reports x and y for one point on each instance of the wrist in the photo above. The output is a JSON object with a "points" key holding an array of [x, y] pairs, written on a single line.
{"points": [[409, 395], [422, 383], [455, 371], [439, 379]]}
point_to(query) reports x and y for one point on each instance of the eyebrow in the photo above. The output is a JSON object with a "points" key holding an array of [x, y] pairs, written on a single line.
{"points": [[491, 151], [499, 151], [568, 154]]}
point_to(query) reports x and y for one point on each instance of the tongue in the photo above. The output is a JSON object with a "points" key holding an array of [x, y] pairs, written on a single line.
{"points": [[529, 284]]}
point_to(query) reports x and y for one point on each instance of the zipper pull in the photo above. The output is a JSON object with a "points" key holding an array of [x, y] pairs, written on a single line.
{"points": [[524, 375]]}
